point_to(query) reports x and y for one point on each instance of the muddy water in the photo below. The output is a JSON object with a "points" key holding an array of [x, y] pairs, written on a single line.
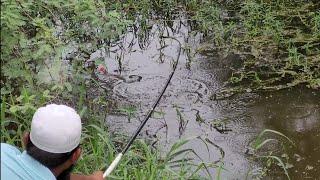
{"points": [[186, 110]]}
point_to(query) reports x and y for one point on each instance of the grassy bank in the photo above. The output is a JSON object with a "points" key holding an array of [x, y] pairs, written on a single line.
{"points": [[278, 41], [99, 149]]}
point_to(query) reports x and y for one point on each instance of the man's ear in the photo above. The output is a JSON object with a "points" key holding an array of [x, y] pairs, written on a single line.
{"points": [[76, 155], [25, 139]]}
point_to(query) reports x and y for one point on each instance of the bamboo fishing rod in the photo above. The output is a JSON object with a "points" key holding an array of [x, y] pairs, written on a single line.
{"points": [[116, 161]]}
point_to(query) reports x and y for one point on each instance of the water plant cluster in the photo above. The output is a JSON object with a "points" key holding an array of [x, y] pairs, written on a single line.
{"points": [[278, 41]]}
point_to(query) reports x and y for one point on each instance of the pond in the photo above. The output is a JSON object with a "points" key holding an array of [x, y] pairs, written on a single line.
{"points": [[187, 110]]}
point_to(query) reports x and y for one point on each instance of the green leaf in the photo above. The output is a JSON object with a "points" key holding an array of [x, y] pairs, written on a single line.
{"points": [[68, 86], [280, 162], [3, 108], [13, 109]]}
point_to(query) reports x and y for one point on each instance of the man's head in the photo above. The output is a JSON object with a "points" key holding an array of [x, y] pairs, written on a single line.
{"points": [[54, 138]]}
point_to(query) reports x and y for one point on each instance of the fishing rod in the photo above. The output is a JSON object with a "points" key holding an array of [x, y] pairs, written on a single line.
{"points": [[134, 136]]}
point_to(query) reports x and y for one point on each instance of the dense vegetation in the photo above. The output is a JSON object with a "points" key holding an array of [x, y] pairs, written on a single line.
{"points": [[278, 42]]}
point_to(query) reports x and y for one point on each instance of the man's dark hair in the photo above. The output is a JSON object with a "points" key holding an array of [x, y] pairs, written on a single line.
{"points": [[50, 160]]}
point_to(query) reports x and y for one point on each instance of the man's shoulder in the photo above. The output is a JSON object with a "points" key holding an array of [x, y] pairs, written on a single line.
{"points": [[7, 148], [19, 165]]}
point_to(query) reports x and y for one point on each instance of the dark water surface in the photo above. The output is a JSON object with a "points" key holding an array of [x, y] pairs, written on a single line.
{"points": [[294, 112]]}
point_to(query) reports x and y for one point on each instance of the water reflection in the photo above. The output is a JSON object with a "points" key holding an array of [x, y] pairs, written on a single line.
{"points": [[296, 113]]}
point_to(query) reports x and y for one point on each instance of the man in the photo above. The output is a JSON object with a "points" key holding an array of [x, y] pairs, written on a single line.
{"points": [[52, 148]]}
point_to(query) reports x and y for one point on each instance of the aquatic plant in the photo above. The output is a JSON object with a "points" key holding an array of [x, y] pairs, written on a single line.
{"points": [[273, 37], [129, 111], [269, 158], [181, 121]]}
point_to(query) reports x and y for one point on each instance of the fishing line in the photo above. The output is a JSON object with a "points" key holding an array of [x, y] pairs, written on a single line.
{"points": [[134, 136]]}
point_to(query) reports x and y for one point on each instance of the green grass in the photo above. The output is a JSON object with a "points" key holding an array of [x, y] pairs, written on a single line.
{"points": [[269, 159], [99, 149], [272, 36]]}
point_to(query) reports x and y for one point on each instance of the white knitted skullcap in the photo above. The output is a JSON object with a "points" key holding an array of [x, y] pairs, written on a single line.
{"points": [[56, 129]]}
